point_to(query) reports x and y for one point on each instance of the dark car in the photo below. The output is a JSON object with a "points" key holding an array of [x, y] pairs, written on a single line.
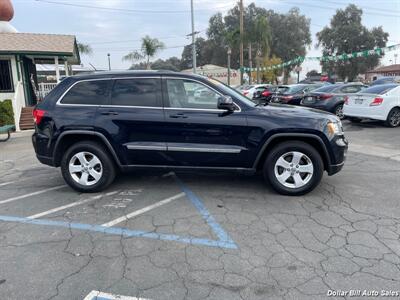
{"points": [[263, 95], [293, 94], [94, 125], [332, 97]]}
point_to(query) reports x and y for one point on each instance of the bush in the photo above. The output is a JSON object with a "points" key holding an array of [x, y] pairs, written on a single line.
{"points": [[6, 113]]}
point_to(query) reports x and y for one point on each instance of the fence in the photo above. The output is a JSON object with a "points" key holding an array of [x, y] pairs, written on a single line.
{"points": [[44, 89]]}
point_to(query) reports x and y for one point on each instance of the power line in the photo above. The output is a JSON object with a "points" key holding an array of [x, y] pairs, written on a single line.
{"points": [[125, 10], [300, 4]]}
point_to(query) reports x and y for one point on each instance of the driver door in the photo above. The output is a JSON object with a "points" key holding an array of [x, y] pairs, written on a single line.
{"points": [[197, 132]]}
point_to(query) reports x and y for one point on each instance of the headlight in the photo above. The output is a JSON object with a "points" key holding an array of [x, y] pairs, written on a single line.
{"points": [[334, 128]]}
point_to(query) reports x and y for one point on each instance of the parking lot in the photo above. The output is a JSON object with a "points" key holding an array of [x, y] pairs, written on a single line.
{"points": [[199, 235]]}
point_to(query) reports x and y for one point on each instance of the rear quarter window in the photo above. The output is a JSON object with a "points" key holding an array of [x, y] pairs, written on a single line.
{"points": [[379, 89], [93, 92]]}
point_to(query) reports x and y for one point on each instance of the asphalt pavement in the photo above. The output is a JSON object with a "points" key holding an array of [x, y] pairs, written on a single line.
{"points": [[201, 235]]}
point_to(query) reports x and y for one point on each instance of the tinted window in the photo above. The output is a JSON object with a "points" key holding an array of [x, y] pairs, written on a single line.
{"points": [[88, 92], [295, 89], [327, 88], [136, 92], [6, 84], [379, 89], [191, 94], [351, 89]]}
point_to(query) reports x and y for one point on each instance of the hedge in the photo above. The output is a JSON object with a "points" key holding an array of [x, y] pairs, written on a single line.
{"points": [[6, 113]]}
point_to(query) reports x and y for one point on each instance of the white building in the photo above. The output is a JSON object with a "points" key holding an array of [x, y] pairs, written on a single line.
{"points": [[19, 54], [217, 72]]}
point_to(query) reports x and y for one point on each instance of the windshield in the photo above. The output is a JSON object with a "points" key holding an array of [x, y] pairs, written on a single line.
{"points": [[294, 89], [379, 89], [228, 90]]}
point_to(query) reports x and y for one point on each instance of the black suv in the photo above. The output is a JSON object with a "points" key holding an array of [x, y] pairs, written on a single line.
{"points": [[94, 125]]}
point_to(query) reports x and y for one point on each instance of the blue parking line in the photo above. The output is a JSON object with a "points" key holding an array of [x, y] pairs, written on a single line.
{"points": [[221, 233], [223, 241], [121, 231]]}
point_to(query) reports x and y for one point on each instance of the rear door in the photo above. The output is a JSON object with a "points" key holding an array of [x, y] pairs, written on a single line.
{"points": [[197, 132], [133, 120]]}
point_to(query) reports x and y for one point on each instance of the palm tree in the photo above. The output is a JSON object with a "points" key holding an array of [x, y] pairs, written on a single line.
{"points": [[150, 47], [84, 48]]}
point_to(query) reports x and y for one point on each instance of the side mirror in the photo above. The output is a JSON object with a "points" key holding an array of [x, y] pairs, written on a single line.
{"points": [[226, 103]]}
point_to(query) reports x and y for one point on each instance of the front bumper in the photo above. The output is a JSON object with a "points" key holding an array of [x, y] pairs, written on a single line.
{"points": [[339, 146]]}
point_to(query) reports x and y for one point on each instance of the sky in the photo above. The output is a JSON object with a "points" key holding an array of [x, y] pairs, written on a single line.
{"points": [[116, 26]]}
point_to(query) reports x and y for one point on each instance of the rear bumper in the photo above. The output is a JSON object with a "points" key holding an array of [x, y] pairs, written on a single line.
{"points": [[367, 112], [37, 143]]}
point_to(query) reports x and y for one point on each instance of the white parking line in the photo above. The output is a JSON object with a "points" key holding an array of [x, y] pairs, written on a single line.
{"points": [[50, 211], [106, 296], [143, 210], [32, 194], [6, 183]]}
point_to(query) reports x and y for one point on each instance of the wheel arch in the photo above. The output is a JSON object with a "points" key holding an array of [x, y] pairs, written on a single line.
{"points": [[68, 138], [311, 139]]}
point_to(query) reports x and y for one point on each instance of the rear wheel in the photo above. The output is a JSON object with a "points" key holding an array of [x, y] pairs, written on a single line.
{"points": [[393, 118], [87, 167], [339, 111], [293, 168]]}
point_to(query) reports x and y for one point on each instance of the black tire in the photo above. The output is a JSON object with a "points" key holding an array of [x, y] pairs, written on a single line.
{"points": [[354, 120], [338, 111], [393, 118], [108, 167], [287, 147]]}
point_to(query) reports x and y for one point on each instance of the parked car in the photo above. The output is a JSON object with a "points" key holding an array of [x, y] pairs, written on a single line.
{"points": [[263, 95], [385, 80], [293, 94], [93, 125], [331, 97], [250, 90], [378, 102]]}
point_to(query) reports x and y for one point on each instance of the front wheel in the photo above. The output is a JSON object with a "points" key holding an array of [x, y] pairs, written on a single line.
{"points": [[393, 118], [87, 167], [293, 168], [339, 111]]}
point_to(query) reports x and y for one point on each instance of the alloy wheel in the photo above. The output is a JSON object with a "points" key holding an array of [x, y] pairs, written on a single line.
{"points": [[85, 168], [395, 118], [339, 112], [294, 169]]}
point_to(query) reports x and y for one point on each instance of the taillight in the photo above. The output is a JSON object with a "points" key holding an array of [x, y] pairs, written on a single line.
{"points": [[377, 101], [346, 100], [38, 115], [266, 93], [325, 96], [245, 93]]}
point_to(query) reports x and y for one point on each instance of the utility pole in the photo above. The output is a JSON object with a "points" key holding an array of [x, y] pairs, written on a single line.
{"points": [[229, 65], [109, 61], [193, 39], [250, 64], [241, 42]]}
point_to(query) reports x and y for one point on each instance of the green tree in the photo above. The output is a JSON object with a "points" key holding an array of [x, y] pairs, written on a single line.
{"points": [[346, 34], [150, 47], [172, 64], [203, 54], [84, 48]]}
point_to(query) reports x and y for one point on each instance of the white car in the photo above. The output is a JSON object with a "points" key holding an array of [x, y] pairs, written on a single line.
{"points": [[251, 89], [378, 102]]}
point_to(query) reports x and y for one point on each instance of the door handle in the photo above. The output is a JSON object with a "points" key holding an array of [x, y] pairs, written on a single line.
{"points": [[178, 116], [109, 113]]}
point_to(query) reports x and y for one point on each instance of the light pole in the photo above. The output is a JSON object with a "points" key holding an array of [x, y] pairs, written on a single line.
{"points": [[229, 65], [193, 39], [109, 61], [241, 42]]}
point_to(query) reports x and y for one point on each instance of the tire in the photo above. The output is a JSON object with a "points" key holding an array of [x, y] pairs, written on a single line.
{"points": [[81, 156], [354, 120], [308, 157], [338, 111], [393, 118]]}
